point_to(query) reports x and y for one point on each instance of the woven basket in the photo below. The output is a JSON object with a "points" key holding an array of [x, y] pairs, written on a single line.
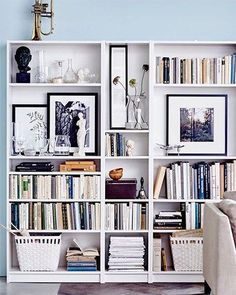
{"points": [[38, 253], [187, 253]]}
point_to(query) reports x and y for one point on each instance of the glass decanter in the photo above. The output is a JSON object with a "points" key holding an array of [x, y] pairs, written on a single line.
{"points": [[70, 76], [62, 145]]}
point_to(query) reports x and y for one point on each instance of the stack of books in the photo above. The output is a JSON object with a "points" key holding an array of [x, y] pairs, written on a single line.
{"points": [[168, 220], [81, 260], [115, 145], [35, 167], [126, 254]]}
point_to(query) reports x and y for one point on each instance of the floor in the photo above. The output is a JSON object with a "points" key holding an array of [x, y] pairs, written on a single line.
{"points": [[92, 289]]}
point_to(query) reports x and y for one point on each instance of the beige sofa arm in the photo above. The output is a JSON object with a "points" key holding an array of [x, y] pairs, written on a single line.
{"points": [[219, 254]]}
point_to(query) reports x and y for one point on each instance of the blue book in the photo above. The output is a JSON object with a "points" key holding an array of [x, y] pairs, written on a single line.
{"points": [[82, 268], [233, 63], [196, 216]]}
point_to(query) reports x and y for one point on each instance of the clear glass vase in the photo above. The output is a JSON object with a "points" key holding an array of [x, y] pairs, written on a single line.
{"points": [[137, 111], [70, 76], [62, 145]]}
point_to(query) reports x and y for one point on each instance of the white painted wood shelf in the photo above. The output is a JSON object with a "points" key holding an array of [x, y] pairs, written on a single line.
{"points": [[147, 157]]}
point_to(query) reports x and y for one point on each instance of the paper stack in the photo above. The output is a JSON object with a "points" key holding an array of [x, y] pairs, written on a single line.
{"points": [[126, 254]]}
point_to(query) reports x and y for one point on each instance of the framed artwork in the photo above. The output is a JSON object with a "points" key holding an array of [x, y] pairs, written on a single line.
{"points": [[198, 122], [118, 95], [30, 123], [64, 112]]}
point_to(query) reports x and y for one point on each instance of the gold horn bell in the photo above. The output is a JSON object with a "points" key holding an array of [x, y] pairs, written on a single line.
{"points": [[40, 10]]}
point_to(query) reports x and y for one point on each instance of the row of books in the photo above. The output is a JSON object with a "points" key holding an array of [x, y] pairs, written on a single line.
{"points": [[54, 187], [198, 181], [115, 145], [126, 216], [193, 214], [126, 254], [176, 70], [79, 259], [56, 216]]}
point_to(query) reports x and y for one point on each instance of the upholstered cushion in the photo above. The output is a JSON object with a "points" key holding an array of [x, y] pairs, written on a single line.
{"points": [[230, 195], [228, 207]]}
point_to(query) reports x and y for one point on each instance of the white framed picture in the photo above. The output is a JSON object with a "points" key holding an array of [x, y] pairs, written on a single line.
{"points": [[64, 112], [198, 122]]}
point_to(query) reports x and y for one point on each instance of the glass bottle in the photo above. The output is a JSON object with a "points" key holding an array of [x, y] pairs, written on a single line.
{"points": [[70, 76]]}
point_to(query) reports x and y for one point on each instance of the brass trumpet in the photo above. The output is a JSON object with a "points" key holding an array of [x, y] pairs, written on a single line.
{"points": [[40, 10]]}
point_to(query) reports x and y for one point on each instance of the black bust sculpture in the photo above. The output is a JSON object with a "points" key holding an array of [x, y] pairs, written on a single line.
{"points": [[23, 58]]}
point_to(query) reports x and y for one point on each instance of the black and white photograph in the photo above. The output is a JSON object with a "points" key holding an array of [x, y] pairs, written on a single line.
{"points": [[197, 122], [30, 123], [74, 115]]}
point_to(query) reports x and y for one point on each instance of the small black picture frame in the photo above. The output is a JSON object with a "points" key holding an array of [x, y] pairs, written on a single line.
{"points": [[118, 95], [62, 111], [198, 122]]}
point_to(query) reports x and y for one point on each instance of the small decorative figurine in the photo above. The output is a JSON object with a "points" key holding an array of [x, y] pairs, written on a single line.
{"points": [[142, 194], [23, 58], [130, 144], [166, 148], [81, 133], [178, 147]]}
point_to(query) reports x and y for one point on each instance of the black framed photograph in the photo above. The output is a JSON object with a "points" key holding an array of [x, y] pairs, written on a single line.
{"points": [[30, 123], [65, 110], [118, 92], [198, 122]]}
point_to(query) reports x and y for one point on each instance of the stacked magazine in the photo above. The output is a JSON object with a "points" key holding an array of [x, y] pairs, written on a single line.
{"points": [[126, 254]]}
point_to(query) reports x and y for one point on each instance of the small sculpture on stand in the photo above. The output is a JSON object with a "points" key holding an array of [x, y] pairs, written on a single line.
{"points": [[142, 194], [166, 148], [178, 147], [23, 58], [130, 145], [81, 133]]}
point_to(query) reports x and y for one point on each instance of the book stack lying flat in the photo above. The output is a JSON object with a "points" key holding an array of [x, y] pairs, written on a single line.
{"points": [[35, 167], [126, 254], [81, 260], [168, 220]]}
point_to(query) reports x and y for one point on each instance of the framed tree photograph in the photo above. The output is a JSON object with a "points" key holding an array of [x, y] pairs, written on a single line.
{"points": [[65, 110], [118, 93], [198, 122], [30, 123]]}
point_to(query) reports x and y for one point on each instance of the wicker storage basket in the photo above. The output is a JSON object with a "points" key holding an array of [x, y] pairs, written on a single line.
{"points": [[38, 253], [187, 253]]}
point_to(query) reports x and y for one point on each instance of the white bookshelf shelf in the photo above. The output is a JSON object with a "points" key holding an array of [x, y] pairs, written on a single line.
{"points": [[138, 131], [64, 158], [126, 200], [77, 85], [128, 158], [148, 158], [55, 173], [65, 231], [54, 201], [125, 231], [184, 200], [195, 85]]}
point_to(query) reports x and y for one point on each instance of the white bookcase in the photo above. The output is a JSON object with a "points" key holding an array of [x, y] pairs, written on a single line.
{"points": [[95, 55]]}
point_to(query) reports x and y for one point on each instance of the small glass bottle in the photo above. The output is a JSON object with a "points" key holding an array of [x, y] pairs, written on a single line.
{"points": [[70, 76]]}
